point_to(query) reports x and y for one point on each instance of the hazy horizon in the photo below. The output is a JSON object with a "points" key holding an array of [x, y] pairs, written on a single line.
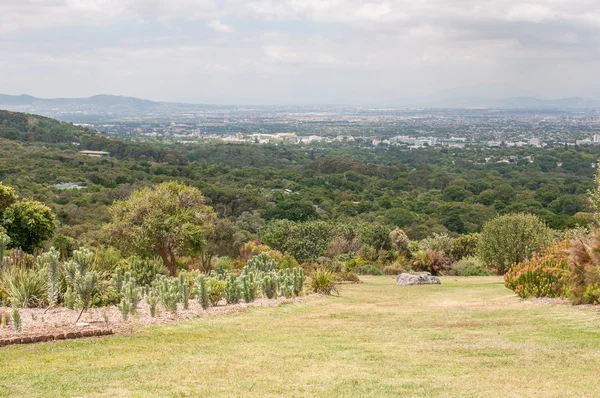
{"points": [[300, 51]]}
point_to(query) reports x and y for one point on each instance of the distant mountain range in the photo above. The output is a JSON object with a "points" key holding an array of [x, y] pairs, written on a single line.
{"points": [[113, 104], [101, 101], [515, 103]]}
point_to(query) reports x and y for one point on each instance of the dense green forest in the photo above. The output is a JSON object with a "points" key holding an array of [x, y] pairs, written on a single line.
{"points": [[421, 191]]}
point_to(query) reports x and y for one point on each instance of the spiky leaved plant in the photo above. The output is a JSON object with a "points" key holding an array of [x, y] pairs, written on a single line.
{"points": [[50, 260], [16, 319], [298, 281], [202, 292], [233, 290], [249, 285], [269, 285], [4, 241], [152, 299], [79, 276], [168, 291], [117, 280], [262, 263], [286, 283], [70, 298], [131, 293], [184, 291], [125, 308]]}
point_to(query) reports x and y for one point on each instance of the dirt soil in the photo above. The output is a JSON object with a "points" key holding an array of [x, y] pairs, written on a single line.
{"points": [[41, 321]]}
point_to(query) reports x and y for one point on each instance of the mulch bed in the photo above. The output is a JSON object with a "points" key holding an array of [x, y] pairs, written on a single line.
{"points": [[41, 325]]}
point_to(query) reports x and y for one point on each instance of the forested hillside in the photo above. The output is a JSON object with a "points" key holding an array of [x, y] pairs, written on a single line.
{"points": [[422, 191]]}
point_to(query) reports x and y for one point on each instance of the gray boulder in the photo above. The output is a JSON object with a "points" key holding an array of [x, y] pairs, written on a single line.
{"points": [[417, 278]]}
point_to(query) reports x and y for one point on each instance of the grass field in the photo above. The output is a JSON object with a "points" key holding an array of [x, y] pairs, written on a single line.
{"points": [[467, 337]]}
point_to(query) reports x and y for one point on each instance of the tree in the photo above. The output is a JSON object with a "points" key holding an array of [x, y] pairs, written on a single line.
{"points": [[169, 219], [28, 224], [512, 238], [220, 241], [400, 240], [7, 197]]}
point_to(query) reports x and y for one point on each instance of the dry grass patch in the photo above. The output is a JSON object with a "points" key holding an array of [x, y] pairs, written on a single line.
{"points": [[467, 337]]}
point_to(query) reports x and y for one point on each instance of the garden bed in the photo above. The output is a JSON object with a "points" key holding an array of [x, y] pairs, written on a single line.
{"points": [[39, 324]]}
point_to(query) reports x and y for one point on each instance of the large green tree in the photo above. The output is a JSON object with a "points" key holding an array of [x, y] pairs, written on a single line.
{"points": [[28, 224], [168, 219], [512, 238]]}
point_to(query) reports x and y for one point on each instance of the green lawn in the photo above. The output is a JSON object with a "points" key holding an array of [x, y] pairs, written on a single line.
{"points": [[467, 337]]}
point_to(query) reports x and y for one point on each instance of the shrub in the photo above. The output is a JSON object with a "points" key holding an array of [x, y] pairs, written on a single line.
{"points": [[544, 275], [184, 290], [4, 241], [434, 262], [131, 293], [168, 291], [368, 270], [323, 282], [464, 246], [437, 242], [50, 262], [216, 290], [269, 285], [393, 270], [511, 239], [583, 266], [287, 261], [233, 290], [144, 270], [342, 245], [249, 285], [469, 266], [152, 299], [81, 279], [202, 292], [400, 240], [16, 319], [26, 287], [262, 263], [348, 276]]}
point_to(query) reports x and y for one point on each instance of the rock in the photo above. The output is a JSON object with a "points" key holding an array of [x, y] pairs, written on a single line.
{"points": [[82, 324], [417, 278]]}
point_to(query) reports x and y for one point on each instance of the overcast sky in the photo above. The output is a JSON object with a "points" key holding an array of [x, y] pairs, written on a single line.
{"points": [[300, 51]]}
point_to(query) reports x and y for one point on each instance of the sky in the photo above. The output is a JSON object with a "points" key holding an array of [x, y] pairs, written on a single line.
{"points": [[385, 52]]}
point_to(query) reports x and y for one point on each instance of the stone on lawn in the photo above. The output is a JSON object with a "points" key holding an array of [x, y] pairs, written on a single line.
{"points": [[417, 278]]}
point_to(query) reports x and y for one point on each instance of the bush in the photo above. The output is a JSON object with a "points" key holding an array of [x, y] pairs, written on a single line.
{"points": [[269, 285], [203, 292], [434, 262], [469, 266], [81, 279], [323, 282], [464, 246], [400, 240], [233, 290], [348, 276], [511, 239], [437, 242], [262, 263], [144, 270], [584, 272], [544, 275], [368, 270], [393, 270], [25, 287], [216, 290]]}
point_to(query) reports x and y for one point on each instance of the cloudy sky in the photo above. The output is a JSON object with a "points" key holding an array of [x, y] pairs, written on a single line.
{"points": [[300, 51]]}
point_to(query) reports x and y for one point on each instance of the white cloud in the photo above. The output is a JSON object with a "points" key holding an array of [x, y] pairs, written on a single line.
{"points": [[364, 48], [220, 26]]}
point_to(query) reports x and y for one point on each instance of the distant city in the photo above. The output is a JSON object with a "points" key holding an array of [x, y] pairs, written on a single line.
{"points": [[532, 123]]}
